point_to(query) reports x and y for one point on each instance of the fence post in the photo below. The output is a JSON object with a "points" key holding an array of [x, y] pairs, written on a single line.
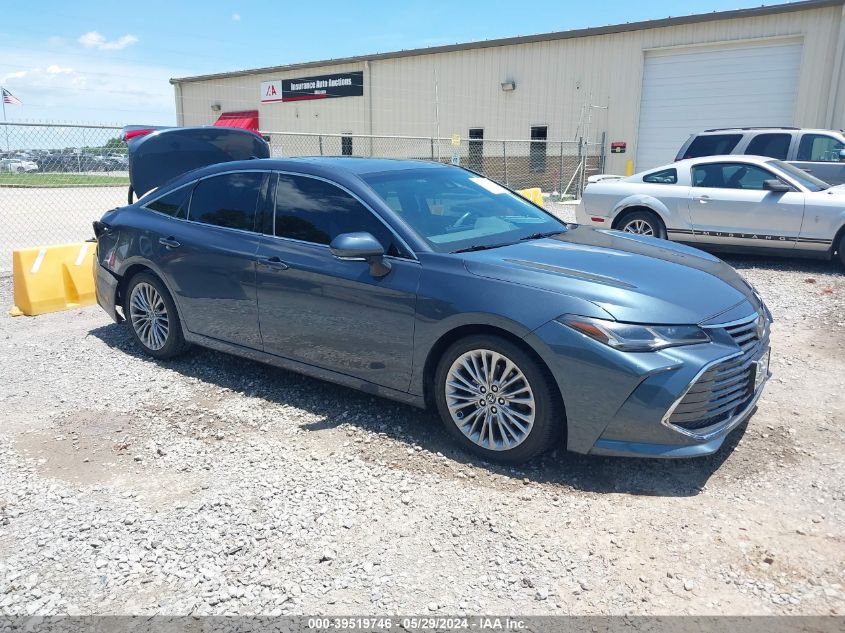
{"points": [[321, 144], [603, 152], [581, 164], [505, 159], [431, 140], [560, 171]]}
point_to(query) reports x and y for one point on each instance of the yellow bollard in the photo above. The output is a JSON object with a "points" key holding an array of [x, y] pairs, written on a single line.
{"points": [[53, 278], [629, 168], [534, 194]]}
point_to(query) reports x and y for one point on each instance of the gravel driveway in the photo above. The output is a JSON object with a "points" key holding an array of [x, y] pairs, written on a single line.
{"points": [[211, 484]]}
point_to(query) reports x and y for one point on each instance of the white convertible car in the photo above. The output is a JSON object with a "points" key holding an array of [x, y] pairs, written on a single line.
{"points": [[736, 203]]}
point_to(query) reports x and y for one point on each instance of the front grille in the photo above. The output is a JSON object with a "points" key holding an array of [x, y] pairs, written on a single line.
{"points": [[723, 390], [744, 335]]}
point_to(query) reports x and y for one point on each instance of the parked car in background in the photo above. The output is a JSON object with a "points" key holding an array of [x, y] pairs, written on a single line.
{"points": [[734, 203], [432, 285], [818, 152], [17, 165]]}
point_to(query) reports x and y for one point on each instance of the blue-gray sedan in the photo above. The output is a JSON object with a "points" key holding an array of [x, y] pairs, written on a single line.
{"points": [[435, 286]]}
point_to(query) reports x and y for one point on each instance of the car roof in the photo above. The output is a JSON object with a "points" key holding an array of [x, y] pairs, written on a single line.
{"points": [[719, 158], [764, 129], [342, 169]]}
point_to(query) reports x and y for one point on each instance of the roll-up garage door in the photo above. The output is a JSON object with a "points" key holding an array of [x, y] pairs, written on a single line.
{"points": [[690, 90]]}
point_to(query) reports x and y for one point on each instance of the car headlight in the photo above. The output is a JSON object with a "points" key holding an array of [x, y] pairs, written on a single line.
{"points": [[630, 337]]}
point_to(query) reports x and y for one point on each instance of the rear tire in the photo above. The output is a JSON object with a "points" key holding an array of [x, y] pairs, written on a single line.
{"points": [[152, 317], [642, 223], [497, 400]]}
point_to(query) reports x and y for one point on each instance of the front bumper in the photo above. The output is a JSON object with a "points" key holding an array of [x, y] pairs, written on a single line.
{"points": [[622, 404]]}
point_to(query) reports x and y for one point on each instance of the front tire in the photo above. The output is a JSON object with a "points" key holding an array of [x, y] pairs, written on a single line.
{"points": [[842, 249], [642, 223], [152, 317], [496, 400]]}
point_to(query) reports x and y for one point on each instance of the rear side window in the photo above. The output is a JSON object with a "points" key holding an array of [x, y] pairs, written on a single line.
{"points": [[663, 177], [712, 145], [174, 204], [312, 210], [819, 148], [771, 145], [228, 200]]}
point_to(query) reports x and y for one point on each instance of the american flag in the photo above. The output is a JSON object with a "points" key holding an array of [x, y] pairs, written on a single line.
{"points": [[11, 99]]}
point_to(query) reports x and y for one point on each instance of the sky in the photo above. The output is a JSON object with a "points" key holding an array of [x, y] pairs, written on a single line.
{"points": [[87, 61]]}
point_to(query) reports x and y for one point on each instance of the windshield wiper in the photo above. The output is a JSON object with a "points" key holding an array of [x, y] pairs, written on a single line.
{"points": [[537, 236], [478, 247]]}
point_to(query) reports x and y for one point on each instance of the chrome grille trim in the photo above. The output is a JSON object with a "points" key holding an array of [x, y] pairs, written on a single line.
{"points": [[720, 395]]}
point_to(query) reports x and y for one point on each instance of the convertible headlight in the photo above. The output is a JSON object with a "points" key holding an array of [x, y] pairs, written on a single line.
{"points": [[630, 337]]}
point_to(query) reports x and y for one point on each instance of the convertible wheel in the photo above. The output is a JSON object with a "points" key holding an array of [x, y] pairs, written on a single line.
{"points": [[642, 223], [152, 317], [496, 400]]}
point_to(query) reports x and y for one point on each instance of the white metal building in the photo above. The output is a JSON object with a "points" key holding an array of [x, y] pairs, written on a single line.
{"points": [[646, 84]]}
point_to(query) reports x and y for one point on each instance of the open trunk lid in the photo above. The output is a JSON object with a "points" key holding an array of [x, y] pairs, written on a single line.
{"points": [[158, 156]]}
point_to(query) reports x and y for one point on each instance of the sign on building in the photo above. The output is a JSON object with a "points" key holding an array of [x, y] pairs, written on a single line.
{"points": [[319, 87]]}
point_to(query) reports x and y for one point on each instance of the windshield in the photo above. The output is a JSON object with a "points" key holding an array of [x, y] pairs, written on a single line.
{"points": [[454, 209], [804, 179]]}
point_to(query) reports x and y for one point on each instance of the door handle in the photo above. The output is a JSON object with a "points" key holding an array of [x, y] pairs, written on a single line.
{"points": [[169, 242], [704, 199], [274, 263]]}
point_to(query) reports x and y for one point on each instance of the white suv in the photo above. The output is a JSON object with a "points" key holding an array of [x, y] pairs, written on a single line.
{"points": [[818, 152]]}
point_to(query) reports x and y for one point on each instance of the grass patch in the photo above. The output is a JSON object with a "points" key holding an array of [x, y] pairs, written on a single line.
{"points": [[62, 180]]}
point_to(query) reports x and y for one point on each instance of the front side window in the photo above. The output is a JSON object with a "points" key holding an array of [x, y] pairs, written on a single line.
{"points": [[819, 148], [313, 210], [730, 176], [662, 177], [454, 209], [228, 200], [712, 145], [174, 204], [771, 145]]}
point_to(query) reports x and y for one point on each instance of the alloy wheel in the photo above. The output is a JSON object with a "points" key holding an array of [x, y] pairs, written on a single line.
{"points": [[490, 400], [639, 227], [148, 315]]}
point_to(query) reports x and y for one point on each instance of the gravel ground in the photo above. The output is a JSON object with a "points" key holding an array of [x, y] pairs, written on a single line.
{"points": [[215, 485]]}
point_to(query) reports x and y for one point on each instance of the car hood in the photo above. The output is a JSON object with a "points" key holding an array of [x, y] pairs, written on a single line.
{"points": [[634, 279]]}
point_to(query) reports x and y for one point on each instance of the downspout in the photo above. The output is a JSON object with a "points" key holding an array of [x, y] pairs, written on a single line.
{"points": [[369, 66], [180, 115], [835, 84]]}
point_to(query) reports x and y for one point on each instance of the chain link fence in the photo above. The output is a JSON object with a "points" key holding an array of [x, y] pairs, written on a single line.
{"points": [[56, 179], [559, 168]]}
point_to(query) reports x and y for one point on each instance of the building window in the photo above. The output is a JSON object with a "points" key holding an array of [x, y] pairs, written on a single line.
{"points": [[475, 149], [537, 152], [346, 145]]}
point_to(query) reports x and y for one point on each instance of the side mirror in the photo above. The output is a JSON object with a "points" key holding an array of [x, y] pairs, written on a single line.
{"points": [[842, 155], [361, 247], [776, 185]]}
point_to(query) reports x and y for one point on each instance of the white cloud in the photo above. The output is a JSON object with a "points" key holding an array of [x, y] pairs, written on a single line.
{"points": [[96, 89], [54, 69], [93, 39], [236, 17]]}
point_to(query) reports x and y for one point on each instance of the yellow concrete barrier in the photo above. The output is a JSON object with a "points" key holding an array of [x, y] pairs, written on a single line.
{"points": [[53, 278], [535, 195]]}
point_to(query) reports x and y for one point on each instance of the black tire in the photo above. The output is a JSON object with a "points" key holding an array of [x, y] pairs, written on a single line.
{"points": [[841, 249], [549, 418], [651, 219], [174, 342]]}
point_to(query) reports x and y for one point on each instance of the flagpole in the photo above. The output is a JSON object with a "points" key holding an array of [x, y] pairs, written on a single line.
{"points": [[5, 127]]}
